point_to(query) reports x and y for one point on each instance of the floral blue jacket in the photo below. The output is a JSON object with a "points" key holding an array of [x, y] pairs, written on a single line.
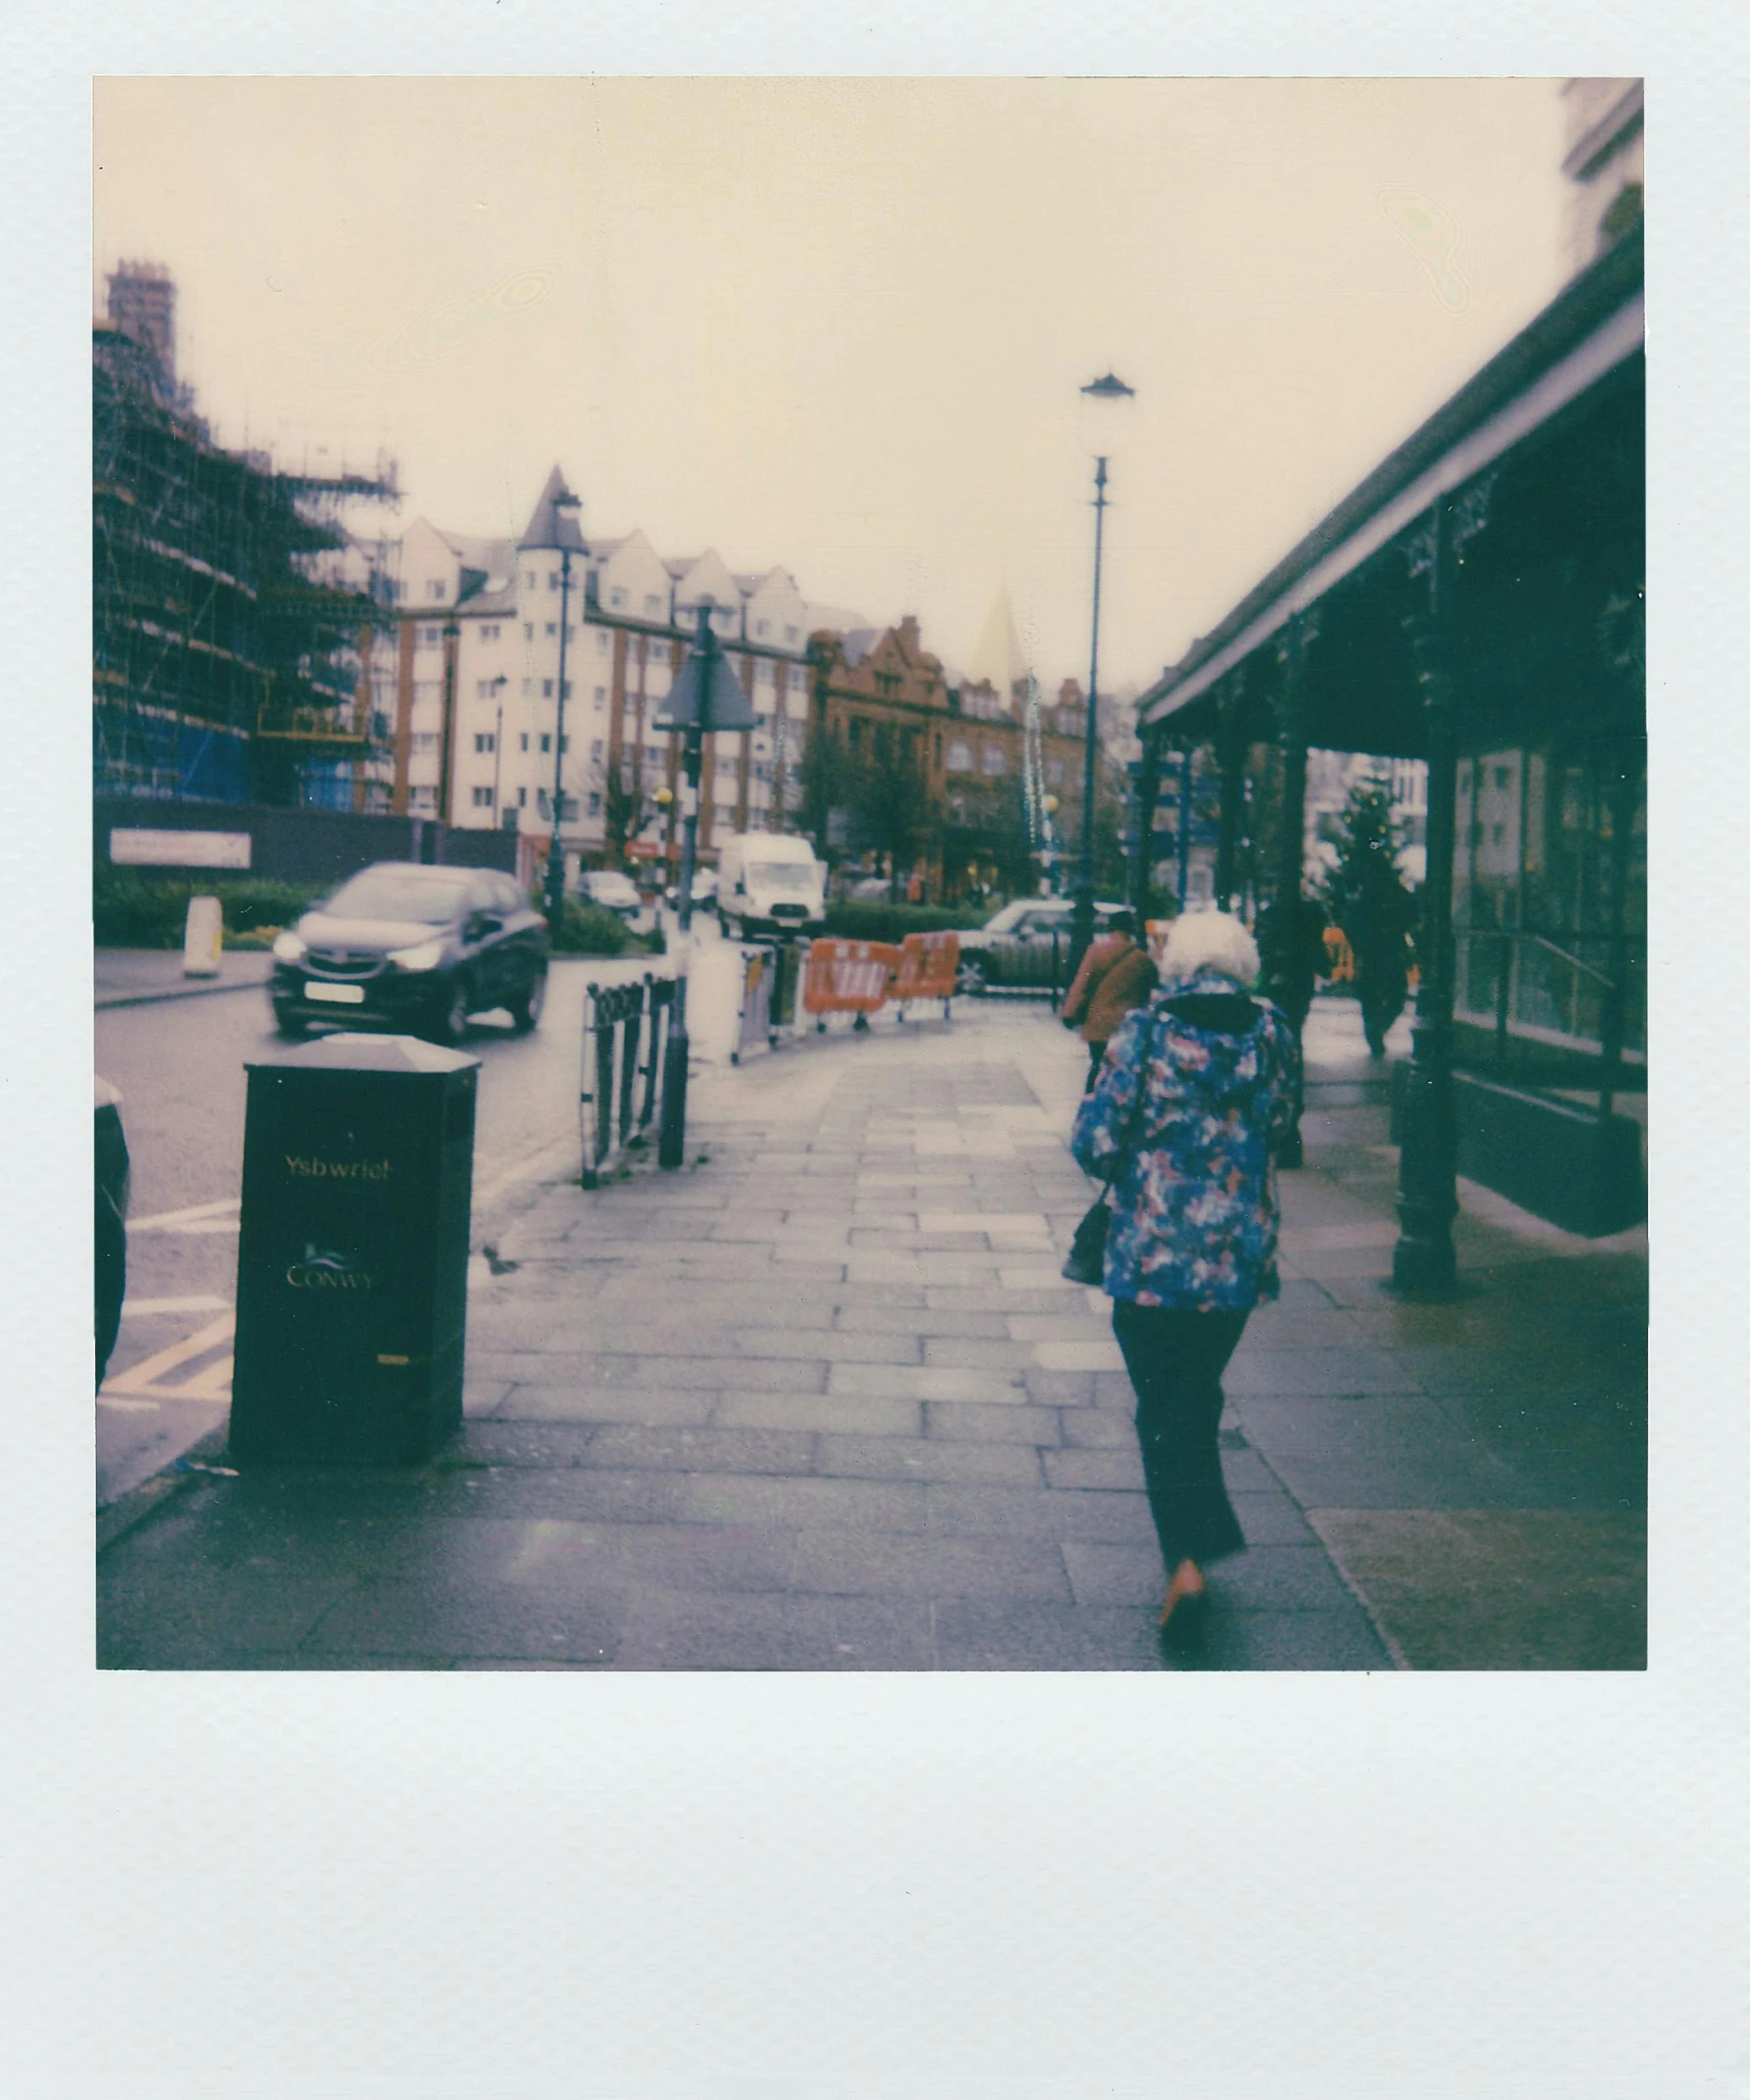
{"points": [[1193, 1207]]}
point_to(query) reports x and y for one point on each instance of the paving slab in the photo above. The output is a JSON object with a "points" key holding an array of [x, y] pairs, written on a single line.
{"points": [[825, 1403]]}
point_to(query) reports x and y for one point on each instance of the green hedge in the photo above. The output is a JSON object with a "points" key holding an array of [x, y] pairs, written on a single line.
{"points": [[589, 929], [137, 909], [874, 921]]}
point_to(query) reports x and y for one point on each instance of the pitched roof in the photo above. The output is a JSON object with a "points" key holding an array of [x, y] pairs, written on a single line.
{"points": [[553, 523]]}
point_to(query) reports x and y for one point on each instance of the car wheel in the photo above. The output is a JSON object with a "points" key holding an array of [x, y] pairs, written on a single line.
{"points": [[111, 1275], [972, 978], [525, 1011], [453, 1021], [290, 1025]]}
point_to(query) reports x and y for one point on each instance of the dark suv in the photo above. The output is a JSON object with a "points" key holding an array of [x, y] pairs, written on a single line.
{"points": [[414, 948]]}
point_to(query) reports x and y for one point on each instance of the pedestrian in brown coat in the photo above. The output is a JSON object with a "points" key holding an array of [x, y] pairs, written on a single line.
{"points": [[1116, 973]]}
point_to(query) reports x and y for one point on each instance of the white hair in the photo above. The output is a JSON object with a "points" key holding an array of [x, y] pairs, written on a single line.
{"points": [[1210, 940]]}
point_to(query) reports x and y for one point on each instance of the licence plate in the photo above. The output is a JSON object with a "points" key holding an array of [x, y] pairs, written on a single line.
{"points": [[336, 994]]}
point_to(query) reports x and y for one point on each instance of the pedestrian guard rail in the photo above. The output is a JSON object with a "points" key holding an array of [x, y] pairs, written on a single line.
{"points": [[625, 1032]]}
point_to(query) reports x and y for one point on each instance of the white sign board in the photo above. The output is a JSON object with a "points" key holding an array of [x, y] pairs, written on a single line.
{"points": [[178, 849]]}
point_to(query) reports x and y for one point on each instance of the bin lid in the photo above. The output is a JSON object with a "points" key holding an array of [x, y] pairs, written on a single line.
{"points": [[364, 1053]]}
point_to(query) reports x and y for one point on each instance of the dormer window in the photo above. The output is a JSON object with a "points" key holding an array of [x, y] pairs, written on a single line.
{"points": [[617, 599], [436, 592]]}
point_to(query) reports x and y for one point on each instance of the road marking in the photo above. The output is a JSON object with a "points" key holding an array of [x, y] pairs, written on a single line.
{"points": [[212, 1384], [140, 1307], [142, 1378], [193, 1219]]}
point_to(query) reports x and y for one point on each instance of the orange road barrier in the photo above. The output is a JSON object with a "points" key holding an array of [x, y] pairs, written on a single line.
{"points": [[848, 977], [929, 969]]}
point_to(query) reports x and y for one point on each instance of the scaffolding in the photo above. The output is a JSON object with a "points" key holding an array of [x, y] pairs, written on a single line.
{"points": [[232, 607]]}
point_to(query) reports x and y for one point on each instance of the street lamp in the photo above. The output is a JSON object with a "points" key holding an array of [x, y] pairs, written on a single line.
{"points": [[1050, 806], [1102, 400], [706, 695], [499, 685], [447, 743], [554, 530]]}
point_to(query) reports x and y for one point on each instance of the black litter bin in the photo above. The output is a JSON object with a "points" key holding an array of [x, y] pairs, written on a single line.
{"points": [[352, 1266]]}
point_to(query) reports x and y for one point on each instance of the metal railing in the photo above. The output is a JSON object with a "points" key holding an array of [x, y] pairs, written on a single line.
{"points": [[1531, 990], [625, 1028]]}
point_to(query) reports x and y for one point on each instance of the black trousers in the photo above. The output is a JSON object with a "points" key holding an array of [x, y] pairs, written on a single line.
{"points": [[1176, 1360]]}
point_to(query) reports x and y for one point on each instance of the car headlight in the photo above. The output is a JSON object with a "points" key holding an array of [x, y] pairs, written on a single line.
{"points": [[288, 948], [426, 956]]}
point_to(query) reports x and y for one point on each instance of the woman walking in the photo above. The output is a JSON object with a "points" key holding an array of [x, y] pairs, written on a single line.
{"points": [[1116, 975], [1197, 1089]]}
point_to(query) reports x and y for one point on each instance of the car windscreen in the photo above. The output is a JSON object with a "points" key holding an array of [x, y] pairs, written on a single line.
{"points": [[782, 874], [1009, 918], [386, 893]]}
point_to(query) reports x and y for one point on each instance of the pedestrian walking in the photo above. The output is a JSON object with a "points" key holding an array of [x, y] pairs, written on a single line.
{"points": [[1197, 1090], [1376, 924], [1117, 974]]}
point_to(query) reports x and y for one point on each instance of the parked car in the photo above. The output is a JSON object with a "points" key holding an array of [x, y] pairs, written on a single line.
{"points": [[704, 889], [414, 948], [612, 892], [110, 1219], [1026, 944]]}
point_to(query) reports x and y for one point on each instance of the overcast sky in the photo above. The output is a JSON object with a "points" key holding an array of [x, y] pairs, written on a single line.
{"points": [[841, 325]]}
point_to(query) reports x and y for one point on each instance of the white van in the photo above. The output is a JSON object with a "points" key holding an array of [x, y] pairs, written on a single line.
{"points": [[770, 883]]}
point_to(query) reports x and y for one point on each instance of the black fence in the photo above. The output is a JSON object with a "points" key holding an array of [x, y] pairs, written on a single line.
{"points": [[626, 1035], [287, 845]]}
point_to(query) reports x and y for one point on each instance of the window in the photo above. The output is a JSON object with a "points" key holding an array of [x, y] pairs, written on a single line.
{"points": [[595, 748], [960, 757], [995, 761], [856, 732], [652, 604], [436, 592], [486, 742], [522, 795], [553, 579], [567, 688], [617, 599], [423, 741], [426, 692], [528, 631], [790, 634], [484, 689], [528, 580], [482, 798], [594, 804], [490, 633], [546, 742], [565, 744], [523, 741], [601, 695], [552, 626], [1054, 772], [546, 694], [601, 641], [430, 637], [527, 694]]}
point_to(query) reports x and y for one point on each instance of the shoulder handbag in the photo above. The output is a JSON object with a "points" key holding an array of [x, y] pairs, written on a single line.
{"points": [[1086, 1261]]}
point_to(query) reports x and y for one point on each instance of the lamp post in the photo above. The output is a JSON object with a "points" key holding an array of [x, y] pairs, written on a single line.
{"points": [[1050, 855], [1101, 396], [498, 685], [565, 539], [706, 695], [446, 745]]}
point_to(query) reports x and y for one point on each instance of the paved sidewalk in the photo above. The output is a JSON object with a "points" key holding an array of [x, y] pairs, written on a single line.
{"points": [[139, 976], [822, 1401]]}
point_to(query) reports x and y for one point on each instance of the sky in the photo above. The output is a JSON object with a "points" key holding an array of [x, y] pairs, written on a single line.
{"points": [[841, 326]]}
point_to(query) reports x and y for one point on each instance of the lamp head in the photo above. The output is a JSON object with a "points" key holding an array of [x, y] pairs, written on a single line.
{"points": [[1106, 414]]}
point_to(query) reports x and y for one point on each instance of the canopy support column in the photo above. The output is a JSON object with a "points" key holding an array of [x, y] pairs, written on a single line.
{"points": [[1423, 1260]]}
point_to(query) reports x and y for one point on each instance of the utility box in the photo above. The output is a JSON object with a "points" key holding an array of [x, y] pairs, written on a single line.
{"points": [[351, 1265]]}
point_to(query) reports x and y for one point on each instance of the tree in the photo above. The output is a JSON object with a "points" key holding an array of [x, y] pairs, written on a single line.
{"points": [[624, 807], [1366, 898], [893, 809]]}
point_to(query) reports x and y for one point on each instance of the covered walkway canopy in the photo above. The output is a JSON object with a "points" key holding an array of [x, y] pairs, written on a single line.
{"points": [[1478, 602]]}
